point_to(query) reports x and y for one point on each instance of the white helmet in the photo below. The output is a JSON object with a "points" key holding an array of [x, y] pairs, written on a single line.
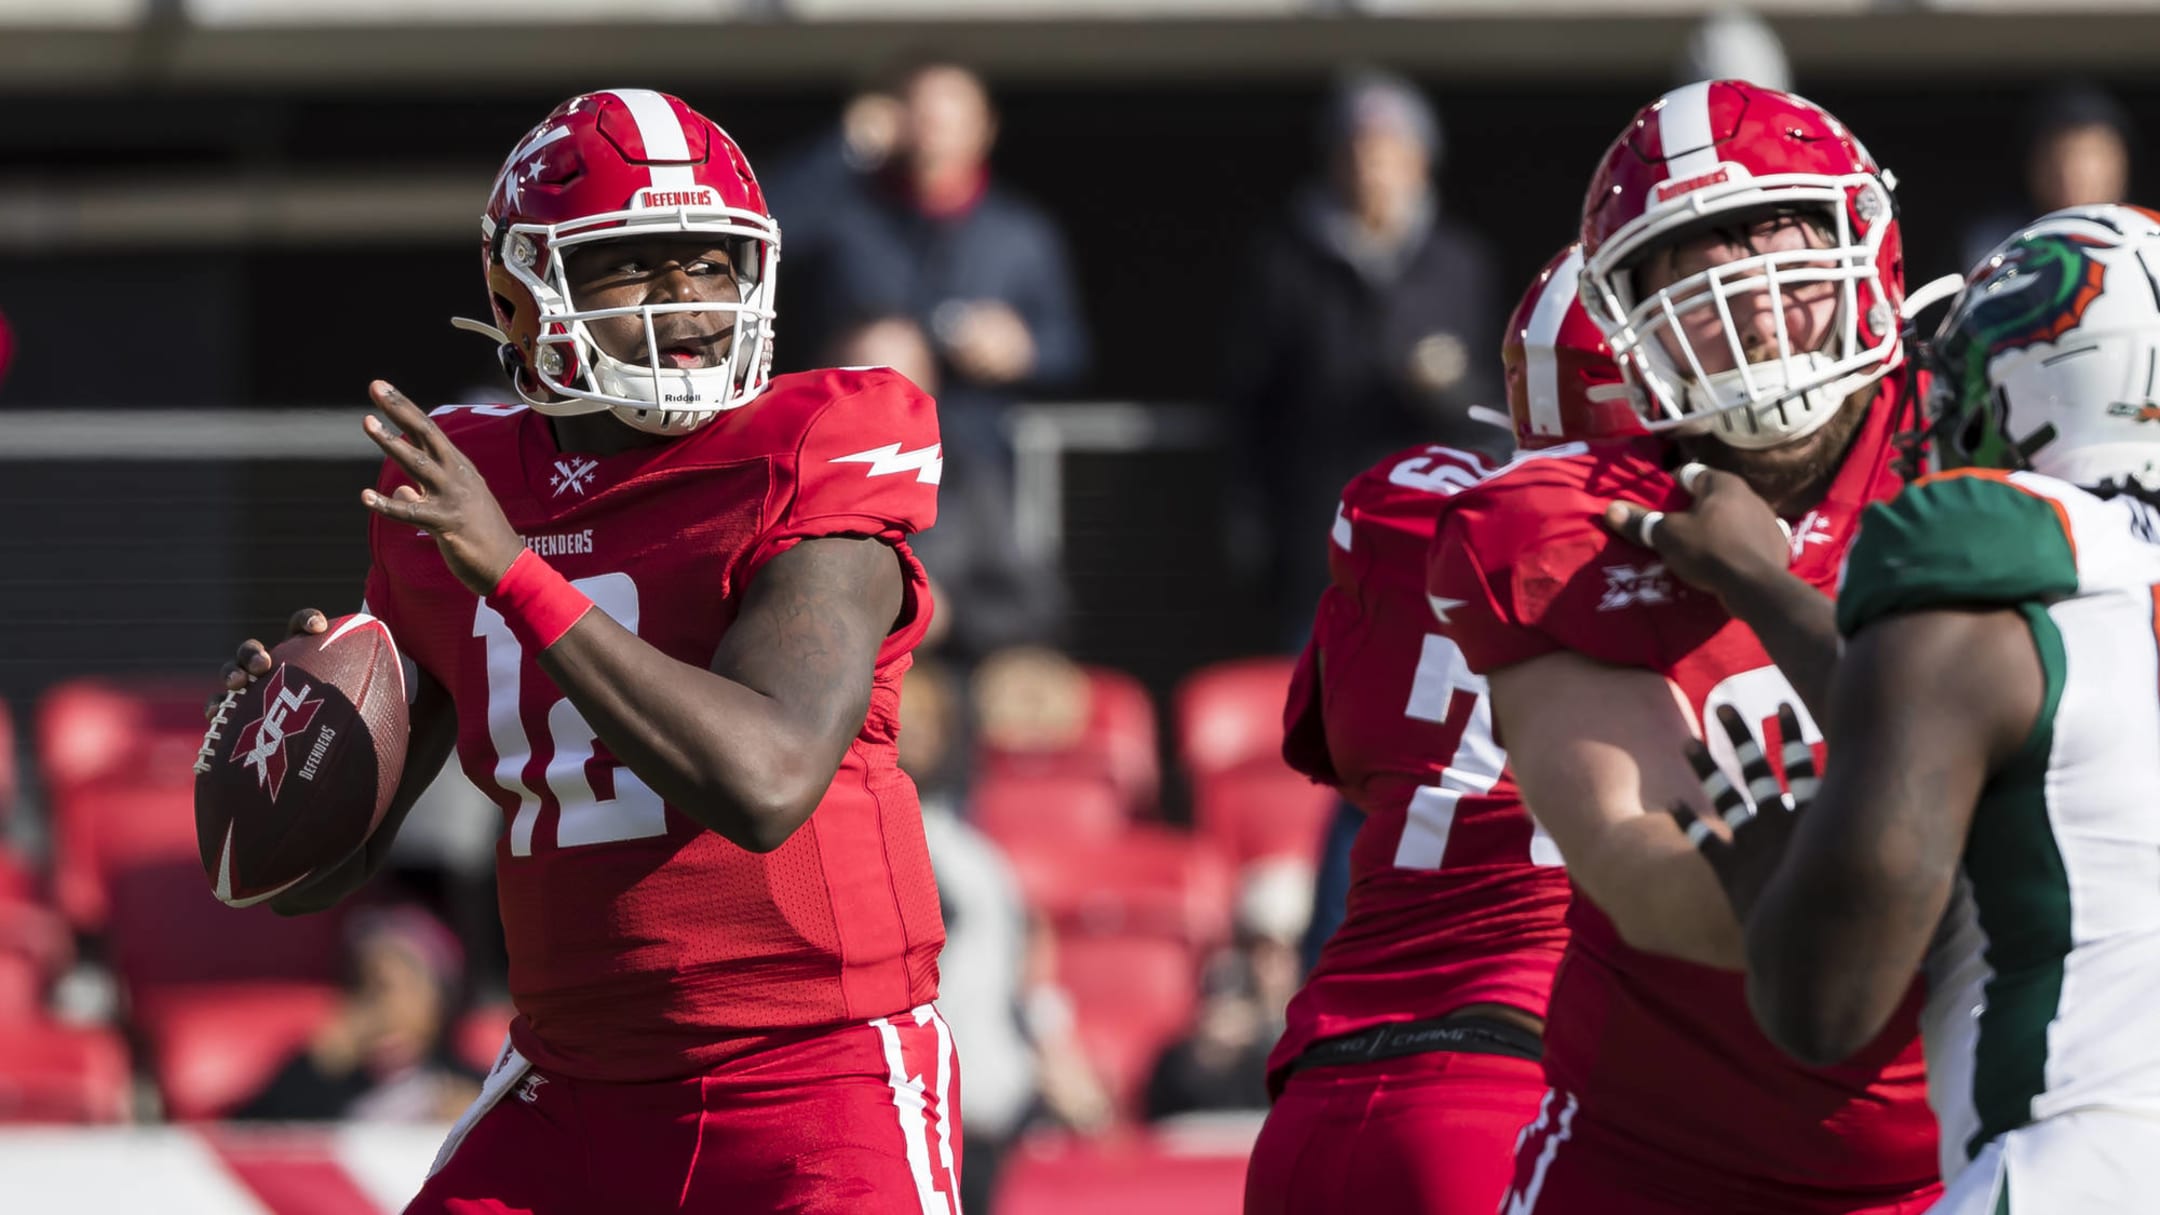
{"points": [[2050, 358]]}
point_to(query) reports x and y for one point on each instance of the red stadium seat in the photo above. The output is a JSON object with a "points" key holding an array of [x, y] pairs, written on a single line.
{"points": [[1065, 810], [1151, 881], [62, 1073], [1117, 747], [10, 781], [213, 1046], [18, 877], [101, 746], [1231, 714], [36, 947], [478, 1038], [1263, 809], [1140, 1173], [1132, 996]]}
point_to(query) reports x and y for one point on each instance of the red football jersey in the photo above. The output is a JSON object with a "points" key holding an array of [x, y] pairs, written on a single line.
{"points": [[643, 946], [1455, 897], [1663, 1054]]}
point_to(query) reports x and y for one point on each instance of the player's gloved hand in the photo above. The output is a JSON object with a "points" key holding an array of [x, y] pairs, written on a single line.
{"points": [[448, 498], [252, 660], [1727, 537], [1758, 820]]}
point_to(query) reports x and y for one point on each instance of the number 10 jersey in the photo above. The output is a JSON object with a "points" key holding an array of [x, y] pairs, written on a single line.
{"points": [[643, 946]]}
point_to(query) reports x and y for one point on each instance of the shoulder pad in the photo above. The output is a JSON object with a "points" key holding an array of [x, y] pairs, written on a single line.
{"points": [[1971, 537]]}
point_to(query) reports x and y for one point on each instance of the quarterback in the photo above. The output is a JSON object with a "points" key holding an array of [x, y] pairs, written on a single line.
{"points": [[661, 610]]}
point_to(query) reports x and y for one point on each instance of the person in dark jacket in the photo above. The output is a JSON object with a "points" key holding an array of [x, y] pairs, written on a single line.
{"points": [[1371, 322], [933, 236]]}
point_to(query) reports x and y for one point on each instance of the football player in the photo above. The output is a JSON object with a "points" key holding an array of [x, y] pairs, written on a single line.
{"points": [[1410, 1059], [1742, 258], [1989, 817], [662, 610]]}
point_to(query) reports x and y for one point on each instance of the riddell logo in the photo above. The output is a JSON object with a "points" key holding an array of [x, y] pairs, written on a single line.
{"points": [[261, 744], [1666, 191], [675, 198]]}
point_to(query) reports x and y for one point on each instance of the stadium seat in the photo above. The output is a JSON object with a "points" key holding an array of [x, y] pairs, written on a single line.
{"points": [[1137, 1173], [1151, 881], [62, 1073], [1262, 809], [478, 1038], [214, 1045], [1231, 714], [1117, 747], [10, 781], [1132, 996], [1121, 728], [18, 876], [116, 759], [1062, 809], [36, 947]]}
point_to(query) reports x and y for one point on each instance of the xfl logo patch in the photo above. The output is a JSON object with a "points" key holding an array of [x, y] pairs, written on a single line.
{"points": [[1628, 585], [261, 744]]}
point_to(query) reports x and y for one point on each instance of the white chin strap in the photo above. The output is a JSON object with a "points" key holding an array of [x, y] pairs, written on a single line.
{"points": [[680, 400], [1722, 411]]}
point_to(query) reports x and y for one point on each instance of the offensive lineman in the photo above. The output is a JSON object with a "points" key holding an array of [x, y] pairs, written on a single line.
{"points": [[1409, 1059], [1743, 259]]}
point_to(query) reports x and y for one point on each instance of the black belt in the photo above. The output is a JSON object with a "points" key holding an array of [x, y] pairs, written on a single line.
{"points": [[1461, 1032]]}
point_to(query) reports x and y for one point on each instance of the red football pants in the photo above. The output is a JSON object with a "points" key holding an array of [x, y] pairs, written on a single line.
{"points": [[862, 1120], [1564, 1167], [1426, 1134]]}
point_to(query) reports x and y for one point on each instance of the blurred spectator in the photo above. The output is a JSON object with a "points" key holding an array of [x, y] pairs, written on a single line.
{"points": [[1735, 44], [1369, 323], [386, 1054], [807, 189], [934, 237], [1030, 699], [988, 593], [1072, 1094], [2077, 152], [1222, 1063]]}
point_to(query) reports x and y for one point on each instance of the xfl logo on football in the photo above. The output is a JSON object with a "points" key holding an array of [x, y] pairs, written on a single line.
{"points": [[261, 744]]}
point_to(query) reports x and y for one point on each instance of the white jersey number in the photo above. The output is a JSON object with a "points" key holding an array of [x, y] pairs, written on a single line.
{"points": [[630, 810], [1446, 692]]}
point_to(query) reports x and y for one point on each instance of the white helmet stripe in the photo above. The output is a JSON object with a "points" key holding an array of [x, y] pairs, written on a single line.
{"points": [[662, 134], [1543, 334], [1684, 132]]}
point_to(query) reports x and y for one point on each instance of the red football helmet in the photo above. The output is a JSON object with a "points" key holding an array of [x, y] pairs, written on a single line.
{"points": [[1724, 151], [1562, 382], [606, 165]]}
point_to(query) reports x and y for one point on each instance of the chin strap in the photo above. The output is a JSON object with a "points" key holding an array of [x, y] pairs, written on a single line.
{"points": [[1930, 292], [480, 327], [1491, 417]]}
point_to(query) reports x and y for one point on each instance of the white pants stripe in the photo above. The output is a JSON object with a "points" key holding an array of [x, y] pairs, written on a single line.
{"points": [[1524, 1200], [912, 1108]]}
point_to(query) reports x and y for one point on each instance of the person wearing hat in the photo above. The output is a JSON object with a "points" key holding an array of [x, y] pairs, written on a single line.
{"points": [[1369, 324]]}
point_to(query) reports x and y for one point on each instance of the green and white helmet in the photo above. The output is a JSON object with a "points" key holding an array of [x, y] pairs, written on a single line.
{"points": [[2050, 357]]}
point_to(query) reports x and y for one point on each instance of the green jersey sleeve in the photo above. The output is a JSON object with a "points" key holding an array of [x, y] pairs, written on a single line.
{"points": [[1965, 539]]}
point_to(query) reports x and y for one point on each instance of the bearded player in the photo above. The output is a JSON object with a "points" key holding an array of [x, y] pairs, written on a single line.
{"points": [[1990, 817], [1743, 260], [1409, 1061], [663, 609]]}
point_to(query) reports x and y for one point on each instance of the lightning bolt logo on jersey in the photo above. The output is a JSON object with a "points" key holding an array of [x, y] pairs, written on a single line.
{"points": [[286, 713], [928, 464]]}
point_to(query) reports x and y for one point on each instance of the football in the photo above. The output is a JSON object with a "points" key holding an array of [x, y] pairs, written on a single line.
{"points": [[297, 769]]}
